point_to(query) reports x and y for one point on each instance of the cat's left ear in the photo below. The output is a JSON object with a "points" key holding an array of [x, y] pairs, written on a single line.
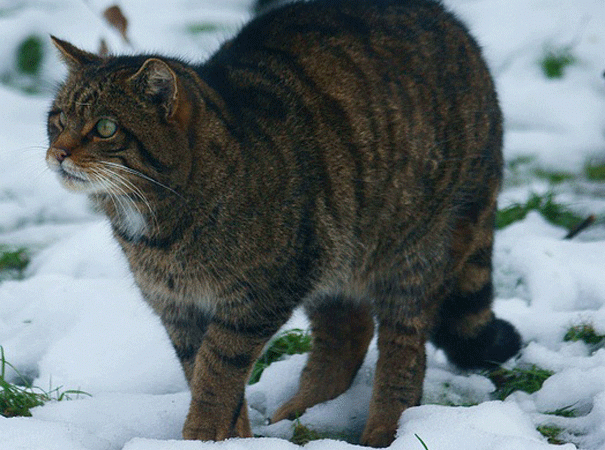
{"points": [[73, 56], [158, 81]]}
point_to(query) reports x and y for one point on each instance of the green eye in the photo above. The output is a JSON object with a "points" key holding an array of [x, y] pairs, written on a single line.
{"points": [[106, 128]]}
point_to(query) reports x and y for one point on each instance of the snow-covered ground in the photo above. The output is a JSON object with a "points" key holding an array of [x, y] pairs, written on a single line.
{"points": [[76, 320]]}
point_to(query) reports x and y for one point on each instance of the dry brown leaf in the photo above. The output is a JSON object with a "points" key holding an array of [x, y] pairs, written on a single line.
{"points": [[114, 16]]}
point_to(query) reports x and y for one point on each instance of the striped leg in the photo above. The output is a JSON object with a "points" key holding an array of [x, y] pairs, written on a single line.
{"points": [[217, 358], [341, 334], [186, 327], [398, 380], [405, 309], [222, 367]]}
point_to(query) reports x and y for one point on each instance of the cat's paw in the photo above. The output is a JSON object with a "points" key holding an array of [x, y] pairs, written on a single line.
{"points": [[196, 432], [378, 437], [193, 432], [290, 410], [210, 427]]}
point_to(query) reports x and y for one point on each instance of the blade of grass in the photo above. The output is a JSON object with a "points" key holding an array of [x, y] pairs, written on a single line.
{"points": [[518, 379], [18, 400], [289, 342]]}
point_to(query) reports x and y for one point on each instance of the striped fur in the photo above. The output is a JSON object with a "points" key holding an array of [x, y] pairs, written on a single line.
{"points": [[337, 154]]}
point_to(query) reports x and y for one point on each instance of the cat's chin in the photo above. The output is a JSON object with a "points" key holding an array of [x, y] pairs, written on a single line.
{"points": [[79, 184], [75, 180]]}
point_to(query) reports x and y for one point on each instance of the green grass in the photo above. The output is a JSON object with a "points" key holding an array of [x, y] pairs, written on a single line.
{"points": [[13, 262], [29, 55], [303, 435], [555, 61], [567, 411], [595, 172], [17, 400], [28, 59], [522, 169], [551, 433], [287, 343], [585, 333], [554, 177], [204, 27], [518, 379], [424, 446], [555, 213], [13, 259]]}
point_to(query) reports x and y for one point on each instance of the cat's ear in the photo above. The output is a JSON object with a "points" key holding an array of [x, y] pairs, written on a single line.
{"points": [[157, 80], [73, 56]]}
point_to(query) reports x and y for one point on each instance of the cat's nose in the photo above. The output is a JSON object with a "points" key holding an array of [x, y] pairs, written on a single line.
{"points": [[60, 154]]}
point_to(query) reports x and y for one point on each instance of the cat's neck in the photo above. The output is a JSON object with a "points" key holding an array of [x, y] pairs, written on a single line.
{"points": [[143, 218], [133, 221]]}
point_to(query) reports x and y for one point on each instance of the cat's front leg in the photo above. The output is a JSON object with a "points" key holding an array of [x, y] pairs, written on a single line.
{"points": [[222, 366]]}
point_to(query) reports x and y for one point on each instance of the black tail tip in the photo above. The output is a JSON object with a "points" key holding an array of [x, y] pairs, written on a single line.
{"points": [[498, 341]]}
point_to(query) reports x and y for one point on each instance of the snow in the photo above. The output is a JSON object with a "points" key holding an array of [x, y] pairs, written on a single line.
{"points": [[77, 321]]}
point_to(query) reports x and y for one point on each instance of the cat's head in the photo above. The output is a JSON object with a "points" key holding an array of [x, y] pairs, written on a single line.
{"points": [[118, 125]]}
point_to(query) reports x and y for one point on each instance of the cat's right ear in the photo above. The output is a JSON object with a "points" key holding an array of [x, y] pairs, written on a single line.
{"points": [[73, 56], [158, 81]]}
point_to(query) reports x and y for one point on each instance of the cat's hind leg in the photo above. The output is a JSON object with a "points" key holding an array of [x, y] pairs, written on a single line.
{"points": [[398, 377], [341, 332]]}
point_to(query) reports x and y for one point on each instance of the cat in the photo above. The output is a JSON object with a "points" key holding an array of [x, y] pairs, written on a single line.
{"points": [[341, 155], [262, 6]]}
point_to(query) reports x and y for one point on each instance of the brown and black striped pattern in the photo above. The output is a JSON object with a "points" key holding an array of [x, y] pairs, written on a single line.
{"points": [[342, 155]]}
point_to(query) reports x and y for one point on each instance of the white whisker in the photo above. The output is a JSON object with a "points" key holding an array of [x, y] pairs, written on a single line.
{"points": [[37, 172], [108, 188], [141, 175], [120, 189], [135, 189]]}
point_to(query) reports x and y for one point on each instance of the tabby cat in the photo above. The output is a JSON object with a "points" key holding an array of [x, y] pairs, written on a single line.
{"points": [[342, 155]]}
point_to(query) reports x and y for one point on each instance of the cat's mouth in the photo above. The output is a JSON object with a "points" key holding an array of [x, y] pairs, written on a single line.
{"points": [[72, 177], [73, 180]]}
